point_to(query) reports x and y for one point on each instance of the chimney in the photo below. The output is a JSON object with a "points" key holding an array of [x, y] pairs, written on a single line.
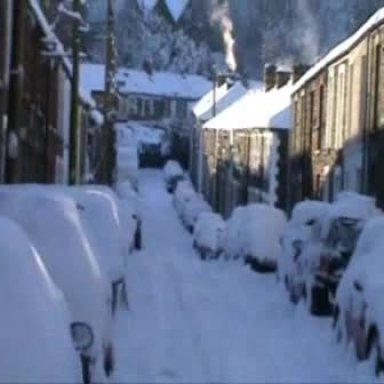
{"points": [[220, 80], [269, 76], [282, 77], [298, 71]]}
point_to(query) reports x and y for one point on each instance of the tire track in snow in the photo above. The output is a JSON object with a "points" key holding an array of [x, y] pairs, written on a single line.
{"points": [[192, 324]]}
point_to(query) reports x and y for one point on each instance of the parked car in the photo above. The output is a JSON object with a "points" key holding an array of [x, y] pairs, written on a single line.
{"points": [[263, 228], [340, 232], [359, 310], [303, 231], [127, 158], [233, 240], [208, 235], [184, 192], [173, 173], [36, 344], [192, 209], [101, 218], [128, 195], [52, 222]]}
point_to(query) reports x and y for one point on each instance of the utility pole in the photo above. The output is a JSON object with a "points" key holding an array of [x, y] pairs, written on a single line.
{"points": [[75, 133], [108, 163], [16, 92], [6, 15]]}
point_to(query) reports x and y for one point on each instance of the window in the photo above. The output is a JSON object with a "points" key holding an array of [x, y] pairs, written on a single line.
{"points": [[320, 140], [147, 108], [376, 96], [181, 109], [363, 87], [140, 109], [359, 180], [167, 108]]}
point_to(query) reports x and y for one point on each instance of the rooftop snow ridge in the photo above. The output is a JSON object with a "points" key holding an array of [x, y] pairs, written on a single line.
{"points": [[47, 29], [341, 48]]}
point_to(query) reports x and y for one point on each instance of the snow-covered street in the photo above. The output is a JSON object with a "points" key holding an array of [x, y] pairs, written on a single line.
{"points": [[214, 322]]}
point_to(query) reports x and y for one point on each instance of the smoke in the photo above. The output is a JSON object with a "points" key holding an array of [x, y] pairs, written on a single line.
{"points": [[221, 16], [307, 34]]}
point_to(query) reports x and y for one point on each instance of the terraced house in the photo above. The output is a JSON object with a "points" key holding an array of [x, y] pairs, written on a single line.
{"points": [[35, 96], [337, 139]]}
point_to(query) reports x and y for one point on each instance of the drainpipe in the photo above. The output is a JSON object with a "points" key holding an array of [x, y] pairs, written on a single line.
{"points": [[366, 129]]}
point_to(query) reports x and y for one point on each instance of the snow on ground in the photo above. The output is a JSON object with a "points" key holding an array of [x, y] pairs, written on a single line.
{"points": [[194, 321]]}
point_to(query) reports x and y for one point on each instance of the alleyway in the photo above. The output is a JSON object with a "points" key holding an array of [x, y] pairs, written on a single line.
{"points": [[216, 322]]}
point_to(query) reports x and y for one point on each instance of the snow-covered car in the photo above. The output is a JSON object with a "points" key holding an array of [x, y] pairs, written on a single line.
{"points": [[52, 222], [130, 225], [127, 159], [173, 173], [128, 195], [184, 192], [303, 227], [208, 235], [359, 310], [233, 239], [263, 227], [36, 345], [101, 215], [341, 229], [192, 209]]}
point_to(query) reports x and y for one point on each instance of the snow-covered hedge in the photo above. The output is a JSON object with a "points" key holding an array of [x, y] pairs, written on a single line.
{"points": [[36, 345]]}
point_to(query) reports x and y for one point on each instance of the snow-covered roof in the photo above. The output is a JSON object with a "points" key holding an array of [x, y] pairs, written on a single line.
{"points": [[166, 84], [206, 102], [341, 48], [224, 98], [257, 109], [60, 51]]}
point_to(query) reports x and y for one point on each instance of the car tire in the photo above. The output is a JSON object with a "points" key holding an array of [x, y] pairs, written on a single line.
{"points": [[319, 304], [373, 351]]}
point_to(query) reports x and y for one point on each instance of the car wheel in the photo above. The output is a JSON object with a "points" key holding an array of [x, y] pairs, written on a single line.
{"points": [[108, 360], [373, 351], [319, 304], [335, 316], [293, 296]]}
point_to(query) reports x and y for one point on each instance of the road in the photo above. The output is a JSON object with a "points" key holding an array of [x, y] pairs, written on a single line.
{"points": [[215, 322]]}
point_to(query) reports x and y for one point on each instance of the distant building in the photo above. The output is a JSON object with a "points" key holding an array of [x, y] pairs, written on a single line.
{"points": [[35, 78], [337, 140], [164, 99], [244, 148]]}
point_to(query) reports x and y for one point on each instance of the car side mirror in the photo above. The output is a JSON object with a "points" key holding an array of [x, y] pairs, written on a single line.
{"points": [[82, 335], [358, 286]]}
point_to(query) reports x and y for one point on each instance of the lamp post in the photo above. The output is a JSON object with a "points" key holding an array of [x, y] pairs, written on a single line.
{"points": [[108, 162], [75, 134]]}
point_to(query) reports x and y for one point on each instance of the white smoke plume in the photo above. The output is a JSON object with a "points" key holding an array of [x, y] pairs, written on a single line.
{"points": [[221, 15], [307, 36]]}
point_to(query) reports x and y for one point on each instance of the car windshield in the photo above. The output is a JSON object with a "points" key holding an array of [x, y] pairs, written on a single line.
{"points": [[343, 234]]}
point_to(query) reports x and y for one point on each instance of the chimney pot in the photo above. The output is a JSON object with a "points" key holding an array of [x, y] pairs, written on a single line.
{"points": [[269, 76], [282, 77], [298, 71]]}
